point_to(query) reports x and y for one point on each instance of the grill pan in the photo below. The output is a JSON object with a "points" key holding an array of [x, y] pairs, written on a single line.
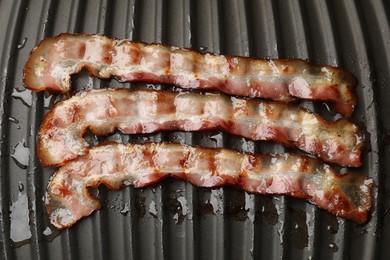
{"points": [[172, 219]]}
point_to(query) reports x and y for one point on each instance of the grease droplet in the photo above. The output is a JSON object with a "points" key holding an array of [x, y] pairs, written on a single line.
{"points": [[13, 120], [49, 100], [24, 95], [20, 228], [215, 198], [126, 208], [250, 205], [153, 209], [333, 247], [50, 234], [47, 231], [180, 209], [20, 186], [21, 155], [22, 44]]}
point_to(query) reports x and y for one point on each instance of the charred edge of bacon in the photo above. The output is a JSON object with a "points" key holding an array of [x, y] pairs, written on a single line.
{"points": [[144, 111], [53, 61], [68, 199]]}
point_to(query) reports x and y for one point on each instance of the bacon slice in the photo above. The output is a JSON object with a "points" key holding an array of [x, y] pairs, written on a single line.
{"points": [[143, 111], [68, 198], [55, 59]]}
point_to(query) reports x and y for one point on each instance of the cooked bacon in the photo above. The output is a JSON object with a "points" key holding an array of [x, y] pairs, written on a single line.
{"points": [[145, 111], [55, 59], [68, 198]]}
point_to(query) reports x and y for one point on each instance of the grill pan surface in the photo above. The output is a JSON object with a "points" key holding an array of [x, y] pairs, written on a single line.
{"points": [[174, 220]]}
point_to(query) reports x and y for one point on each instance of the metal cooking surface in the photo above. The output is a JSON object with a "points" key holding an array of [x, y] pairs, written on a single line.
{"points": [[174, 220]]}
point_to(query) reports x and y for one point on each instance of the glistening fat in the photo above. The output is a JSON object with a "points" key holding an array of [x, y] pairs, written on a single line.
{"points": [[141, 111], [68, 198], [55, 59]]}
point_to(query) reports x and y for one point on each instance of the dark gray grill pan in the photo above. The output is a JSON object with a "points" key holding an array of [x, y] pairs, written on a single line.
{"points": [[174, 220]]}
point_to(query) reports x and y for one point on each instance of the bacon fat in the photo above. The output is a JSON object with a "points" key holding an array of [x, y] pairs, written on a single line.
{"points": [[144, 111], [68, 198], [55, 59]]}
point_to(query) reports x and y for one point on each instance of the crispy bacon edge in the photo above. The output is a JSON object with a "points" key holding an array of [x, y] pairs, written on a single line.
{"points": [[68, 199], [55, 59], [145, 111]]}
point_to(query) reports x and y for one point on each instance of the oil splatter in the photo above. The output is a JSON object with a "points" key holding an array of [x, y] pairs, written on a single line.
{"points": [[126, 208], [49, 99], [24, 95], [22, 44], [50, 234], [47, 231], [127, 183], [21, 155], [153, 209], [269, 211], [279, 205], [184, 205], [206, 208], [20, 228], [20, 186], [216, 200], [210, 139], [333, 247], [250, 206], [182, 210], [236, 206], [247, 146], [300, 231], [13, 120], [178, 207], [333, 225]]}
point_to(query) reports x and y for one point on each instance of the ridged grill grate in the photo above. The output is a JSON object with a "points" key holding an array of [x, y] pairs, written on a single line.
{"points": [[174, 220]]}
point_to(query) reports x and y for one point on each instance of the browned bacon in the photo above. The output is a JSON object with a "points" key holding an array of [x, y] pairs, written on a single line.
{"points": [[68, 198], [55, 59], [143, 111]]}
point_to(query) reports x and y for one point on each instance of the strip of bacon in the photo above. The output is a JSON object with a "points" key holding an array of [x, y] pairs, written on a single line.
{"points": [[55, 59], [68, 198], [145, 111]]}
